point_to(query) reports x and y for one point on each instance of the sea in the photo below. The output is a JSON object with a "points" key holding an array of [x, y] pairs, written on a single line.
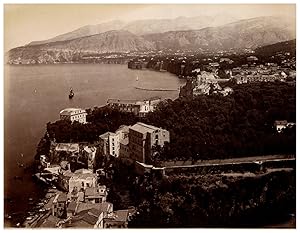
{"points": [[35, 94]]}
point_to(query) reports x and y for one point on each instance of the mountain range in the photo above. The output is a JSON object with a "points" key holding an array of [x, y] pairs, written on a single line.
{"points": [[249, 33]]}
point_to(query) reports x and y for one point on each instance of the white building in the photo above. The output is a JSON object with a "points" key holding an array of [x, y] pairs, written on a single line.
{"points": [[109, 144], [73, 114]]}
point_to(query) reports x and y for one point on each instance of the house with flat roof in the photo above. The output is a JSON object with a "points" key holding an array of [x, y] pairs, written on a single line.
{"points": [[73, 114]]}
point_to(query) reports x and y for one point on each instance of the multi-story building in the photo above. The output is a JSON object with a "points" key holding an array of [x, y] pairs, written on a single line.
{"points": [[142, 138], [123, 133], [138, 108], [113, 144], [109, 144], [73, 114]]}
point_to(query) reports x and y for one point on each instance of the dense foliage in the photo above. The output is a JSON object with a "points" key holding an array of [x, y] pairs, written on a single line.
{"points": [[100, 120], [281, 47], [215, 201], [241, 124]]}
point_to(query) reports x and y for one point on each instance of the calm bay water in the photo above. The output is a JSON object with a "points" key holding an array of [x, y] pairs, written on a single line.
{"points": [[34, 95]]}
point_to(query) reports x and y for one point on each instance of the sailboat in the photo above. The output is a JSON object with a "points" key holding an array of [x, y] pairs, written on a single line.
{"points": [[137, 78], [71, 94]]}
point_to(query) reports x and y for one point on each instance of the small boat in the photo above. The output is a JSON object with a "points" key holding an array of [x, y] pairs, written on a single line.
{"points": [[71, 94], [137, 78]]}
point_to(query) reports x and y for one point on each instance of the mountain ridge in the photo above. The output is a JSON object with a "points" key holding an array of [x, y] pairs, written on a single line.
{"points": [[251, 33]]}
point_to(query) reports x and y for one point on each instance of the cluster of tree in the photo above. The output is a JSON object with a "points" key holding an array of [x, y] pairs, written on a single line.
{"points": [[100, 120], [206, 127], [281, 47], [216, 201], [241, 124]]}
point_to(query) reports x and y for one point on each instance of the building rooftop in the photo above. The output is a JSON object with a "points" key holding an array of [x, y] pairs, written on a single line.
{"points": [[119, 216], [95, 191], [103, 207], [83, 171], [106, 135], [70, 111], [68, 147], [143, 128], [87, 176]]}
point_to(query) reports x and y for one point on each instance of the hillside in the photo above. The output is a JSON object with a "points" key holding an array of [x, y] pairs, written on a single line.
{"points": [[66, 51], [250, 33], [84, 31], [285, 47], [141, 27]]}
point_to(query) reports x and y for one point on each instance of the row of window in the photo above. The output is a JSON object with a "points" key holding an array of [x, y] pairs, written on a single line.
{"points": [[77, 117]]}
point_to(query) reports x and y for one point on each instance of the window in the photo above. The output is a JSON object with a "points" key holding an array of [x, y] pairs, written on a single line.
{"points": [[82, 184]]}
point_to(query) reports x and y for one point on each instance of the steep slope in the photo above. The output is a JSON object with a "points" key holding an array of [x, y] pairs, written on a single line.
{"points": [[65, 51], [84, 31], [249, 33], [141, 27]]}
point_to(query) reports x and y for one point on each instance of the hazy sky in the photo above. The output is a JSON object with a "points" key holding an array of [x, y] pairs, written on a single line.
{"points": [[31, 22]]}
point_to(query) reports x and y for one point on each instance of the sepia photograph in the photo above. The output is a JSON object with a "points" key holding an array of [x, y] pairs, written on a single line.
{"points": [[149, 115]]}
